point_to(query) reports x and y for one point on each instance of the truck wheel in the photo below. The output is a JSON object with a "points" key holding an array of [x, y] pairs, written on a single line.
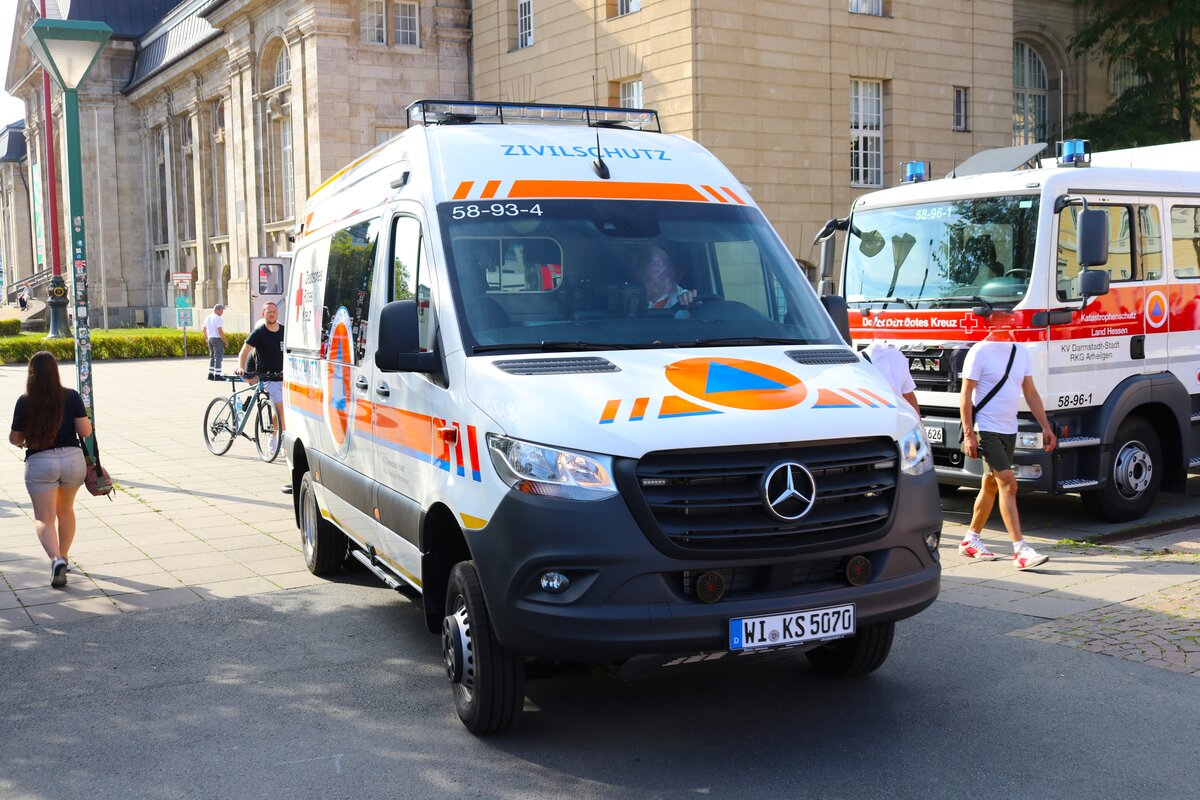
{"points": [[1134, 475], [488, 680], [857, 655], [324, 545]]}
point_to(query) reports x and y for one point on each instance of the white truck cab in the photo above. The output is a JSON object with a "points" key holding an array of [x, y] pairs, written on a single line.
{"points": [[554, 370], [1110, 316]]}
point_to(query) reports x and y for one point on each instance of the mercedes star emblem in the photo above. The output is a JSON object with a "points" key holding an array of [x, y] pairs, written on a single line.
{"points": [[789, 490]]}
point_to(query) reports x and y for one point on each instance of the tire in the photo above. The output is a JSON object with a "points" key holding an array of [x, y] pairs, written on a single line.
{"points": [[488, 681], [219, 426], [858, 655], [267, 436], [323, 544], [1134, 474]]}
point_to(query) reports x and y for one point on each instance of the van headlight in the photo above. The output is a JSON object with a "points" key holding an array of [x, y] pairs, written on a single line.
{"points": [[535, 469], [915, 456]]}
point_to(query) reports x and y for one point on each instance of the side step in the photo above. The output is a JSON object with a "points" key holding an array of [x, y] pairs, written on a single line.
{"points": [[1075, 484], [1078, 441], [1194, 463], [378, 571]]}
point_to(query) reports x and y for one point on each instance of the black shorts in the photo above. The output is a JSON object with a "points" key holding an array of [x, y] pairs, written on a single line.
{"points": [[996, 450]]}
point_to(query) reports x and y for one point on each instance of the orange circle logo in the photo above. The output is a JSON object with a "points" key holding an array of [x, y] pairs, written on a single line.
{"points": [[339, 397], [735, 383]]}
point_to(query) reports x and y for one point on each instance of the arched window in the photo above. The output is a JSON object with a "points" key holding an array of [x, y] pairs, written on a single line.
{"points": [[280, 188], [1030, 96]]}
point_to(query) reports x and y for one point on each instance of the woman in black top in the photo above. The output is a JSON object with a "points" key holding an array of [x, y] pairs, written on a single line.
{"points": [[48, 421]]}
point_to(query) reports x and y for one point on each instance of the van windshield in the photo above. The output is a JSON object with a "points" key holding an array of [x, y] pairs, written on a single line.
{"points": [[563, 275], [954, 252]]}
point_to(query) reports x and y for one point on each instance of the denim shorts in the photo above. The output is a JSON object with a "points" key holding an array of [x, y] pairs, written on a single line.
{"points": [[49, 470]]}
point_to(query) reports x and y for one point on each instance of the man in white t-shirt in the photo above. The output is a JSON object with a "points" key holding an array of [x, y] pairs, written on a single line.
{"points": [[893, 365], [991, 434], [214, 333]]}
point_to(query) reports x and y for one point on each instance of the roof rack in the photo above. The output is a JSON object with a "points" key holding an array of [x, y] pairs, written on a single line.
{"points": [[465, 112]]}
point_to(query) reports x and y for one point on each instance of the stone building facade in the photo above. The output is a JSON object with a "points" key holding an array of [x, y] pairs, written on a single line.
{"points": [[206, 123], [810, 102], [205, 130]]}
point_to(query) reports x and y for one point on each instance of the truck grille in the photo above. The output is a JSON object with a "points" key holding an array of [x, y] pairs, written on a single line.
{"points": [[712, 501]]}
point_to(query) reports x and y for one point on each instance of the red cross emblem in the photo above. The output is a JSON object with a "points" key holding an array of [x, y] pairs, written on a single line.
{"points": [[969, 322]]}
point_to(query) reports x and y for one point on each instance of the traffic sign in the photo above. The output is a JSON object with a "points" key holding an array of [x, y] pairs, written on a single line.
{"points": [[181, 276], [183, 318]]}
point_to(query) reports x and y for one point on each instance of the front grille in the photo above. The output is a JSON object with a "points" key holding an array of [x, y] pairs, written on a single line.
{"points": [[805, 576], [711, 501], [936, 369]]}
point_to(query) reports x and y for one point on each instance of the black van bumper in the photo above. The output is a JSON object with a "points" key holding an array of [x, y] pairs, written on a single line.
{"points": [[626, 598]]}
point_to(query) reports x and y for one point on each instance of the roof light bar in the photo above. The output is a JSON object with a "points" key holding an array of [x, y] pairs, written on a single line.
{"points": [[914, 171], [1075, 153], [462, 112]]}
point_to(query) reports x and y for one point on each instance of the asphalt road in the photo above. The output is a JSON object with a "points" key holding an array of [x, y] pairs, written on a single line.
{"points": [[337, 691]]}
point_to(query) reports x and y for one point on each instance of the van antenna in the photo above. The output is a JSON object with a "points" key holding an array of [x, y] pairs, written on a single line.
{"points": [[598, 166]]}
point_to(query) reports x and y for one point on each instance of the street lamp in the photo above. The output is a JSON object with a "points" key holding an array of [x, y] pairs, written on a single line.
{"points": [[67, 49]]}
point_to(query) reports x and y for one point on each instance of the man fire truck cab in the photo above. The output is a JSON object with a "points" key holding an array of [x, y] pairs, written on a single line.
{"points": [[1109, 312]]}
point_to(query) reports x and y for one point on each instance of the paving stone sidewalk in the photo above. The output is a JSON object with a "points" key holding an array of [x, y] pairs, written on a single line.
{"points": [[184, 526]]}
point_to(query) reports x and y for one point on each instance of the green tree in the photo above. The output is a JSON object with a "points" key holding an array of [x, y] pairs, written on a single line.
{"points": [[1159, 39]]}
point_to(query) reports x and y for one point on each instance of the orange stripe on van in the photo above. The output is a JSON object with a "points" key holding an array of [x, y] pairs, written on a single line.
{"points": [[464, 189], [736, 199], [714, 193], [607, 190], [489, 190], [610, 411]]}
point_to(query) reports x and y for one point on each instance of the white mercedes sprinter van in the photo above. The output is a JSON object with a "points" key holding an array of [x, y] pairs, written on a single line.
{"points": [[554, 370]]}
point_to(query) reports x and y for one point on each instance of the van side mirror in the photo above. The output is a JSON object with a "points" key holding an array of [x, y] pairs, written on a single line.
{"points": [[399, 340], [835, 306], [1093, 283], [1091, 238]]}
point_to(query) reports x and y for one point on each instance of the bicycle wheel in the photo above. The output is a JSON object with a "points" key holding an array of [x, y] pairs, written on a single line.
{"points": [[266, 431], [219, 425]]}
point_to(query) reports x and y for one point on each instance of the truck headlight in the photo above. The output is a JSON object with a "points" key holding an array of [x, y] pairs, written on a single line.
{"points": [[915, 456], [1029, 440], [535, 469]]}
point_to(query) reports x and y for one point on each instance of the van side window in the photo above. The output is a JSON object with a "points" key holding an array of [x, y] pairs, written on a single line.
{"points": [[408, 279], [1120, 265], [1150, 251], [348, 282], [1185, 241]]}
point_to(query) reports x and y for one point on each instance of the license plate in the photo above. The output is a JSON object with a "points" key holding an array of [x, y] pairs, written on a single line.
{"points": [[936, 434], [794, 627]]}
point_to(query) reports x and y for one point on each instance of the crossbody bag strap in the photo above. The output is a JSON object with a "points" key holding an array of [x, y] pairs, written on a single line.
{"points": [[992, 393]]}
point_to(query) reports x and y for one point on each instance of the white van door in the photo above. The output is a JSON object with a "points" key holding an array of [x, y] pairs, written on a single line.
{"points": [[1183, 339], [1156, 300], [347, 470], [404, 422]]}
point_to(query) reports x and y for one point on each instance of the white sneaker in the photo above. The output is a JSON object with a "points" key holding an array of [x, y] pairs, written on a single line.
{"points": [[973, 547], [1028, 558]]}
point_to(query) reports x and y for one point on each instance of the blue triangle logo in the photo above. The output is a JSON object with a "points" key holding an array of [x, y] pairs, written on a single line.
{"points": [[1156, 308], [724, 378]]}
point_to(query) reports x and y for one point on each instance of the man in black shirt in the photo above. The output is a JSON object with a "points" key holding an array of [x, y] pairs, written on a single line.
{"points": [[266, 342]]}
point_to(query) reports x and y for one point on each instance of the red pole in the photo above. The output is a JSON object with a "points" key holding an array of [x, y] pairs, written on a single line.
{"points": [[51, 179]]}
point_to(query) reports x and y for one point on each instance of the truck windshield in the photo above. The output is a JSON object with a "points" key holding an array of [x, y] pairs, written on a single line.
{"points": [[955, 252], [563, 275]]}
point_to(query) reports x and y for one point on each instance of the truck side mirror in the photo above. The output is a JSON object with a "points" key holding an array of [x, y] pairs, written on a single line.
{"points": [[835, 306], [1091, 239], [400, 342], [1093, 283]]}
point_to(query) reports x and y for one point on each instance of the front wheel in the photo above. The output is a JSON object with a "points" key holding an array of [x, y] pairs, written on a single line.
{"points": [[857, 655], [267, 437], [1134, 474], [220, 426], [488, 680]]}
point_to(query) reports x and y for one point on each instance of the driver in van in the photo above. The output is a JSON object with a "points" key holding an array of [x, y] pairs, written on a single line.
{"points": [[660, 276]]}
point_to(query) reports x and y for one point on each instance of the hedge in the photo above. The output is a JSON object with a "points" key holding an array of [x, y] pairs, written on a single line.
{"points": [[157, 345], [10, 327]]}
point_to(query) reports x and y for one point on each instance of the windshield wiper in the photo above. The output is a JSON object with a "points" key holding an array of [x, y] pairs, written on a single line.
{"points": [[970, 298], [556, 347], [908, 303], [734, 341]]}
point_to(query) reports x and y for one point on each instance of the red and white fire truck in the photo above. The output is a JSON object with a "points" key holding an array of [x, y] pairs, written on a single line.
{"points": [[1114, 338]]}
